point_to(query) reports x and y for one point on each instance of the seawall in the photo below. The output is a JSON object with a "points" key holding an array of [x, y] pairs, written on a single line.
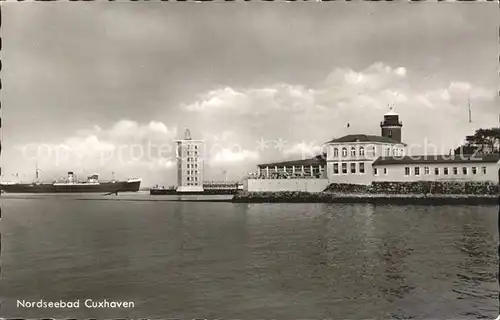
{"points": [[463, 193]]}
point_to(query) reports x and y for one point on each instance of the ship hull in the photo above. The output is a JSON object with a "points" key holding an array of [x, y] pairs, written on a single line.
{"points": [[105, 187]]}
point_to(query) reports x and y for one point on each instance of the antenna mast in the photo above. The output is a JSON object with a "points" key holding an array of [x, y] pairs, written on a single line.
{"points": [[470, 112]]}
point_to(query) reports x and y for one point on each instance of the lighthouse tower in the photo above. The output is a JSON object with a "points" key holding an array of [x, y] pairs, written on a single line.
{"points": [[189, 155], [391, 126]]}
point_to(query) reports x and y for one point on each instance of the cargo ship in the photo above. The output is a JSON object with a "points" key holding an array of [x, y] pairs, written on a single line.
{"points": [[72, 185], [221, 188]]}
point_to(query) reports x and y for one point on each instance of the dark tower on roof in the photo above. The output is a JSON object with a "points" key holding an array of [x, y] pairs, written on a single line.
{"points": [[391, 126]]}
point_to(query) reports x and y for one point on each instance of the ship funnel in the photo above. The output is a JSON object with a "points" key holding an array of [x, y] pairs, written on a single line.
{"points": [[71, 177]]}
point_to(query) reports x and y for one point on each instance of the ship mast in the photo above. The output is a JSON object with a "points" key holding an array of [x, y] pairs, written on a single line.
{"points": [[37, 171]]}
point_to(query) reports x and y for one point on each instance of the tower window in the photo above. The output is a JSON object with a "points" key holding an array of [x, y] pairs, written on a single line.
{"points": [[390, 133]]}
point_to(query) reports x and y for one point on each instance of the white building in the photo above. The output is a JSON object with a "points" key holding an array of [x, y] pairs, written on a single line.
{"points": [[362, 159], [436, 168], [349, 158], [190, 163]]}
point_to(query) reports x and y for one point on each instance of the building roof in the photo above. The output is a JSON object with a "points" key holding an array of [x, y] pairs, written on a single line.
{"points": [[363, 138], [435, 159], [391, 113], [318, 160]]}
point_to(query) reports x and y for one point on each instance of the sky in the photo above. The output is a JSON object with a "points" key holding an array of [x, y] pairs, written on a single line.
{"points": [[109, 86]]}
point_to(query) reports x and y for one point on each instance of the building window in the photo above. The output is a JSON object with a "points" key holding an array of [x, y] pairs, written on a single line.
{"points": [[407, 171], [336, 152], [484, 170], [375, 171], [455, 170], [387, 152], [464, 170], [436, 171], [353, 152], [335, 168], [417, 171], [196, 147], [344, 168], [344, 152], [385, 171], [390, 133], [374, 151], [361, 168], [361, 151], [445, 171], [474, 170], [353, 168], [426, 170]]}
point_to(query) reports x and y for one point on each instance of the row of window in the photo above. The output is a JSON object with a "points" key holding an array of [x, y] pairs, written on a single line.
{"points": [[192, 153], [192, 166], [192, 172], [446, 171], [193, 184], [190, 146], [353, 168], [437, 171], [292, 168], [192, 179], [361, 151]]}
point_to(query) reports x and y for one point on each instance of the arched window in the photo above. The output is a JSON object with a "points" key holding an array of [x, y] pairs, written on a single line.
{"points": [[344, 152], [353, 152], [361, 151], [336, 152]]}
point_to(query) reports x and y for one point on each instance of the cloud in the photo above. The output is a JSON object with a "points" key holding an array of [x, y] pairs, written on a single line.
{"points": [[298, 113], [243, 126], [228, 156], [123, 145], [304, 149]]}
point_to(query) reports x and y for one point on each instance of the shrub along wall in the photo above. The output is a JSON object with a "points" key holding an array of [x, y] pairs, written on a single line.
{"points": [[418, 187]]}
